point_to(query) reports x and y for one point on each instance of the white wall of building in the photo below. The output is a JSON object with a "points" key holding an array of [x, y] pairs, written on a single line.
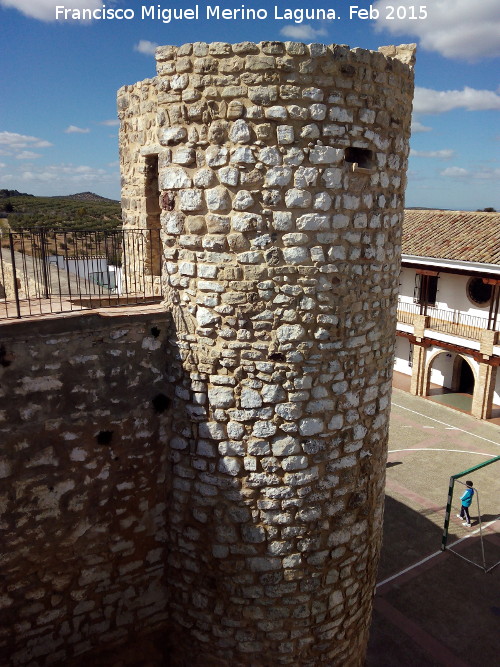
{"points": [[496, 395], [401, 356], [406, 285], [451, 293]]}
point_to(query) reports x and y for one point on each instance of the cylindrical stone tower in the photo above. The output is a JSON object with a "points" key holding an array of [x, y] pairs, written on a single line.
{"points": [[280, 170]]}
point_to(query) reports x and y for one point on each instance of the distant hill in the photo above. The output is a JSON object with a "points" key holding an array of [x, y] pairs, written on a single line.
{"points": [[12, 193], [88, 196], [81, 211]]}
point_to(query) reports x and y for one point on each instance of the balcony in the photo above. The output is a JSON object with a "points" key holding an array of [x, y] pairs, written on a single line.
{"points": [[453, 322]]}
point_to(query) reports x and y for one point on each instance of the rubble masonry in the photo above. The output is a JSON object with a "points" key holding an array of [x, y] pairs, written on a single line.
{"points": [[281, 174]]}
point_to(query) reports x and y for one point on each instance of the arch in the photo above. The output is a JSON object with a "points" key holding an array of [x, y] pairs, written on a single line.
{"points": [[451, 373], [464, 377]]}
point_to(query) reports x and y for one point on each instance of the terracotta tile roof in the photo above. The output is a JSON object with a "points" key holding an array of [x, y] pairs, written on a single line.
{"points": [[459, 235]]}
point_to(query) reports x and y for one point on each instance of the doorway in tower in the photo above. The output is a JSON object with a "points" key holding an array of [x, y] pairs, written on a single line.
{"points": [[451, 381]]}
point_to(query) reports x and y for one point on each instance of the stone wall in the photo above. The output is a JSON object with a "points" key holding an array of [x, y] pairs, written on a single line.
{"points": [[83, 483], [281, 171]]}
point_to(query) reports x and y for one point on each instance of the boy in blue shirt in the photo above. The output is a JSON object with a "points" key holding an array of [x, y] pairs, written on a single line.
{"points": [[466, 499]]}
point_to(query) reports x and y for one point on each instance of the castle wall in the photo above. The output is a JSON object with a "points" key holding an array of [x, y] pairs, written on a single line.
{"points": [[83, 483], [281, 174]]}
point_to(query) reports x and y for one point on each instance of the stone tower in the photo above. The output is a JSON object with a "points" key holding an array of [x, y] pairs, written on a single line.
{"points": [[276, 173]]}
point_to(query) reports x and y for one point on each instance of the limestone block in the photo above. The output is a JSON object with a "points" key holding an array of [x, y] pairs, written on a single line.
{"points": [[264, 95], [240, 132], [279, 176], [332, 178], [276, 113], [173, 222], [326, 155], [243, 201], [282, 220], [172, 135], [294, 156], [296, 255], [221, 397], [243, 155], [341, 115], [218, 198], [315, 94], [285, 134], [174, 178], [184, 156], [298, 113], [245, 222], [229, 175], [216, 156], [297, 198], [305, 177], [318, 111], [190, 200], [310, 131], [313, 221], [204, 178], [270, 156], [322, 201]]}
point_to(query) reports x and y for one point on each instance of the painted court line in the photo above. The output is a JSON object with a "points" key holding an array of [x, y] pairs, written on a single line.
{"points": [[436, 553], [436, 449], [474, 435]]}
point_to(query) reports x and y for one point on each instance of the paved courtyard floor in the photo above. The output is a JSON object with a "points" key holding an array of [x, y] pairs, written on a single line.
{"points": [[433, 607]]}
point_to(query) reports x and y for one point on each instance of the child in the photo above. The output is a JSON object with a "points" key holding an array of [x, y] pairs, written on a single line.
{"points": [[466, 499]]}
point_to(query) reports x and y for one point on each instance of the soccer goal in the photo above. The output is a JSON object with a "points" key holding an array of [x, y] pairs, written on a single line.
{"points": [[482, 527]]}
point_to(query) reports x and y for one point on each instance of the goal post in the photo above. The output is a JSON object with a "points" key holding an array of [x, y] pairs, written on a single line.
{"points": [[451, 487]]}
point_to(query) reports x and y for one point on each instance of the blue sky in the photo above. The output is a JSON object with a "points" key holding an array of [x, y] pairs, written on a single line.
{"points": [[58, 128]]}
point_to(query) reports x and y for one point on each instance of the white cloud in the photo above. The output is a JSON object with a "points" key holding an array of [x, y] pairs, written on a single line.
{"points": [[13, 141], [2, 165], [461, 29], [444, 154], [439, 101], [45, 10], [146, 47], [66, 173], [302, 32], [486, 174], [73, 129], [417, 126], [27, 155], [110, 123]]}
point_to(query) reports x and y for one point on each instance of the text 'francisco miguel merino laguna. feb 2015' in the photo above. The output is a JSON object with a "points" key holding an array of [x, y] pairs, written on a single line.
{"points": [[210, 13]]}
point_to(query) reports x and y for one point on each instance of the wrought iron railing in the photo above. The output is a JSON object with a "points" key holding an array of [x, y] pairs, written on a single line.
{"points": [[453, 322], [60, 271]]}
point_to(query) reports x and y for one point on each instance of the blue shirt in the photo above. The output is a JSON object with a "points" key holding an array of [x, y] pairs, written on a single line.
{"points": [[466, 498]]}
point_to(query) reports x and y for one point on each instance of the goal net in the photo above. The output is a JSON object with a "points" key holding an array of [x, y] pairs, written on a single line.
{"points": [[481, 544]]}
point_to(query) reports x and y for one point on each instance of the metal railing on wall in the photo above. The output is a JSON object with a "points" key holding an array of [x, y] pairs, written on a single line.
{"points": [[453, 322], [61, 271]]}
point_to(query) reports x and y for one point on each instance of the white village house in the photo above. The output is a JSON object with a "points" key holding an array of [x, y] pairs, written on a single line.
{"points": [[448, 307]]}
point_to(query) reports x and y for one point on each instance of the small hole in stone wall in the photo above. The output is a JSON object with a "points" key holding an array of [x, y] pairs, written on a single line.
{"points": [[155, 332], [160, 403], [104, 437], [276, 356], [363, 157], [3, 357]]}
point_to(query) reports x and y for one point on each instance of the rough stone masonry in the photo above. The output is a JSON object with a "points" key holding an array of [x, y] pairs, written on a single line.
{"points": [[276, 172]]}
